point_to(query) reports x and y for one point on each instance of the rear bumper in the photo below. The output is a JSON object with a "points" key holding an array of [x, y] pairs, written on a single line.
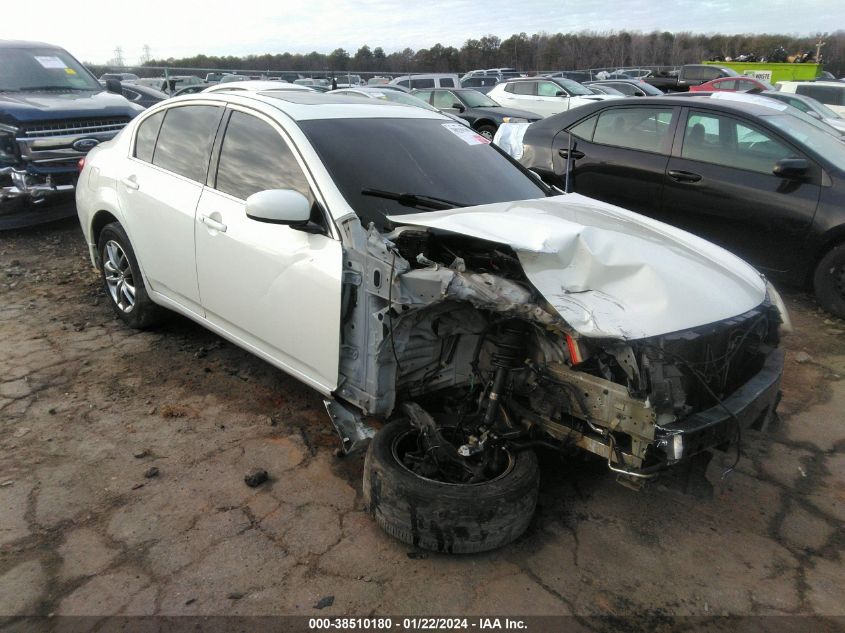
{"points": [[752, 405]]}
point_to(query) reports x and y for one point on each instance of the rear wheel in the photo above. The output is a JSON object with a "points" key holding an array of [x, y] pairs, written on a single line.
{"points": [[829, 281], [442, 516], [123, 282]]}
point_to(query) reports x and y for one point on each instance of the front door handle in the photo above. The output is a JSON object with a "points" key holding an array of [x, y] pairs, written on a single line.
{"points": [[574, 154], [683, 176], [213, 224], [130, 183]]}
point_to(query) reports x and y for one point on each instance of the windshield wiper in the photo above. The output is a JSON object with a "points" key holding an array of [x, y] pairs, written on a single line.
{"points": [[413, 200]]}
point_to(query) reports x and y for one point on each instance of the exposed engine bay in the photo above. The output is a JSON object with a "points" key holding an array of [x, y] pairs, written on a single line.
{"points": [[448, 331]]}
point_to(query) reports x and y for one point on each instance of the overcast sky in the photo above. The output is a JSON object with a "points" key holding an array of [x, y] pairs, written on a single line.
{"points": [[91, 30]]}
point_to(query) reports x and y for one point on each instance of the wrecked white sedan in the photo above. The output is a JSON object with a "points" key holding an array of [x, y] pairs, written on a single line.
{"points": [[410, 271]]}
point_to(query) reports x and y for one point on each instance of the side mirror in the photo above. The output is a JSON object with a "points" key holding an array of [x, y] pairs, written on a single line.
{"points": [[459, 107], [814, 114], [791, 168], [560, 93], [278, 206], [113, 85]]}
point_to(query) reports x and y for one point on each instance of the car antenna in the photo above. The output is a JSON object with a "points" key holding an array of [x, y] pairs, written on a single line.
{"points": [[568, 162]]}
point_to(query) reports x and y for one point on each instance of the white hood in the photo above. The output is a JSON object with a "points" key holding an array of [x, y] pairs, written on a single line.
{"points": [[610, 272]]}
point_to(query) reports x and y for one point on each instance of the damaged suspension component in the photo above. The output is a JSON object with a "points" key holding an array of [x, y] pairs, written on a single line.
{"points": [[510, 355]]}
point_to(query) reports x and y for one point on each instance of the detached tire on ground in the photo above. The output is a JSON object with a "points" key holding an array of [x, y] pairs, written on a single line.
{"points": [[122, 280], [446, 517], [829, 281]]}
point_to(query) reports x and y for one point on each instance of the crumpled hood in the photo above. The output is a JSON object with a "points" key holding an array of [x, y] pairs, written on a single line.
{"points": [[609, 272]]}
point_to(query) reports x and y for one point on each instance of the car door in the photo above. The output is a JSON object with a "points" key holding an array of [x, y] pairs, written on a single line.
{"points": [[273, 287], [618, 155], [159, 194], [719, 184]]}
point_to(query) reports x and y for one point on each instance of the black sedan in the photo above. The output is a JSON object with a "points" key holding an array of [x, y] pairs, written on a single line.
{"points": [[482, 113], [765, 181]]}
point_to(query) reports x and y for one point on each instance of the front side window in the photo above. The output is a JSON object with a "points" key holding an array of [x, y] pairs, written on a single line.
{"points": [[645, 129], [185, 139], [548, 89], [712, 138], [444, 99], [254, 157], [145, 137]]}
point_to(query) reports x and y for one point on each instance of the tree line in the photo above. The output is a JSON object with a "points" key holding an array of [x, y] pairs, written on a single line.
{"points": [[542, 52]]}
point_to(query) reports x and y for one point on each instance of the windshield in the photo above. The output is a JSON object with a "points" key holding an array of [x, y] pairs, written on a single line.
{"points": [[43, 69], [649, 89], [811, 134], [474, 99], [573, 87], [425, 157]]}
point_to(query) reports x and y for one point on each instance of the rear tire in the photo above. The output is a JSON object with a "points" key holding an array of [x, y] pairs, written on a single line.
{"points": [[829, 281], [445, 517], [123, 282]]}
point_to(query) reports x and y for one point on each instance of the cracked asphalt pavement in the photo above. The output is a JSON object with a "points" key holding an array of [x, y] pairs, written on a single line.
{"points": [[88, 406]]}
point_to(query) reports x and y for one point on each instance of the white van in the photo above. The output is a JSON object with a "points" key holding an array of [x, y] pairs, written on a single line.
{"points": [[430, 80], [830, 93]]}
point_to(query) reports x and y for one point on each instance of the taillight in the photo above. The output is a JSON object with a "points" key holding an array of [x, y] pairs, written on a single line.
{"points": [[80, 165]]}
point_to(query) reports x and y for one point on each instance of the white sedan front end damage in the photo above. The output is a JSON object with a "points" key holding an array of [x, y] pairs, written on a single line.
{"points": [[564, 321]]}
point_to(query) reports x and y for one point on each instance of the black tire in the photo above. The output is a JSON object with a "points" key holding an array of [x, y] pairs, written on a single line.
{"points": [[456, 519], [829, 281], [487, 131], [141, 313]]}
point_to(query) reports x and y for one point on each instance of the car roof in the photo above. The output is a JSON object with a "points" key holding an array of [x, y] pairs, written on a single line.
{"points": [[256, 84], [26, 44], [311, 105]]}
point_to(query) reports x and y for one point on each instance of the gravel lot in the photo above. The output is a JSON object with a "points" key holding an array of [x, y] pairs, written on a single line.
{"points": [[87, 407]]}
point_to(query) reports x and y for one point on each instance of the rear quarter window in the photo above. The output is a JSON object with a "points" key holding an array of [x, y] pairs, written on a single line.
{"points": [[145, 137]]}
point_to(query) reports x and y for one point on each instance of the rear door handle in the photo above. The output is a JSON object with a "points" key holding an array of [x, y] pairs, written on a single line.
{"points": [[130, 183], [574, 154], [683, 176], [213, 224]]}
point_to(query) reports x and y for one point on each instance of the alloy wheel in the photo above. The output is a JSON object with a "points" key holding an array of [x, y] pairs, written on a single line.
{"points": [[118, 276]]}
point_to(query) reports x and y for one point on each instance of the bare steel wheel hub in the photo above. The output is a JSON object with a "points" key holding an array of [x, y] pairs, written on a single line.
{"points": [[118, 275]]}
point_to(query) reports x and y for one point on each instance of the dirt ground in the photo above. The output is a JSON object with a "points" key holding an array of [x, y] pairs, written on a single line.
{"points": [[88, 406]]}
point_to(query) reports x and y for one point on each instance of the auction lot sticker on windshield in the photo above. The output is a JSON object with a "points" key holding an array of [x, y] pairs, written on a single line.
{"points": [[466, 134], [50, 62]]}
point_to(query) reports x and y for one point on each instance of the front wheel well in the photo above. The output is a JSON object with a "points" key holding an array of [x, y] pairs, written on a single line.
{"points": [[482, 122], [831, 242]]}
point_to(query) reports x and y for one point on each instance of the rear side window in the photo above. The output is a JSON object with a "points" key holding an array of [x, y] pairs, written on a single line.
{"points": [[254, 157], [447, 82], [831, 95], [185, 139], [729, 84], [145, 137], [422, 83], [644, 129], [522, 87]]}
